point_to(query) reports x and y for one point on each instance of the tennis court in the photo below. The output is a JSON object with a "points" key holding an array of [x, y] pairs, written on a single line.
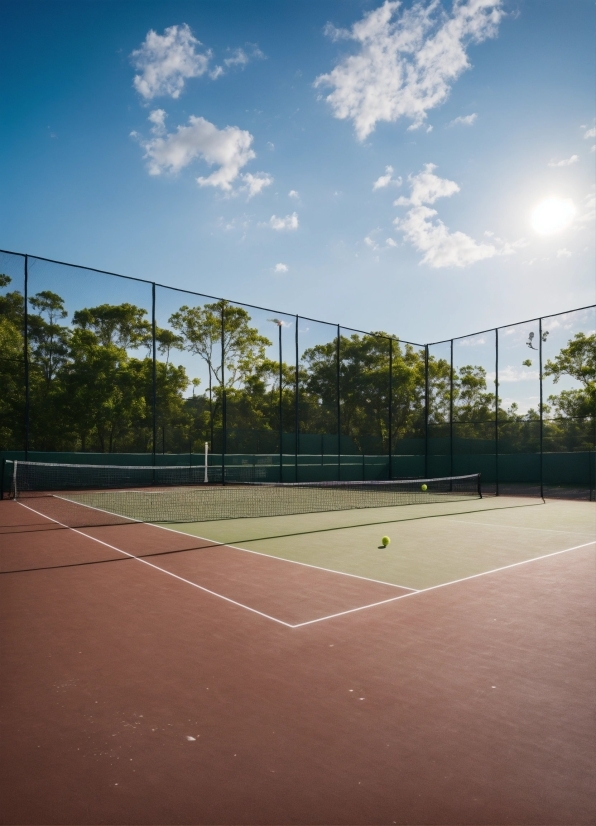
{"points": [[290, 669]]}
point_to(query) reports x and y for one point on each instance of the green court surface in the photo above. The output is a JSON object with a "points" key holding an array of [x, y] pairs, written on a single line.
{"points": [[430, 544]]}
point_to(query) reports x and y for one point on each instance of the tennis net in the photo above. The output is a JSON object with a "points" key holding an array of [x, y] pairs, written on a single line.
{"points": [[111, 494]]}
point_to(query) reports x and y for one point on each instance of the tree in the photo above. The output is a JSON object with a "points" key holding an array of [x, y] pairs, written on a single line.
{"points": [[47, 338], [201, 331], [121, 324], [577, 360]]}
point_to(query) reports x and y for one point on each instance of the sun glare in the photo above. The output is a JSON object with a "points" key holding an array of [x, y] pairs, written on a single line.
{"points": [[553, 215]]}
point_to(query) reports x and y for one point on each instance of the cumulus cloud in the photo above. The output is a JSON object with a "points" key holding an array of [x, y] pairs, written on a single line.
{"points": [[387, 179], [466, 120], [429, 235], [564, 253], [426, 187], [590, 133], [280, 268], [255, 184], [158, 119], [293, 194], [289, 222], [566, 162], [405, 64], [228, 149], [165, 61]]}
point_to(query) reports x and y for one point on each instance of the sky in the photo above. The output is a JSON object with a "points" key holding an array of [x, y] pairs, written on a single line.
{"points": [[422, 168]]}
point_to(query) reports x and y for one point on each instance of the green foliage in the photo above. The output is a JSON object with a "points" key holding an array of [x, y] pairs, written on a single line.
{"points": [[91, 385], [577, 360]]}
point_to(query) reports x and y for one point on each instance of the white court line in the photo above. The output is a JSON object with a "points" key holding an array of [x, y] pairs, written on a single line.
{"points": [[235, 547], [443, 585], [320, 619], [282, 558], [157, 568]]}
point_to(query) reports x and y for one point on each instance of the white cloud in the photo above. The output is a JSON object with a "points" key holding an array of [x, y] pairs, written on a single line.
{"points": [[256, 183], [427, 187], [166, 61], [593, 149], [390, 242], [280, 268], [370, 243], [241, 58], [405, 65], [563, 253], [510, 373], [158, 119], [566, 162], [387, 179], [289, 222], [591, 133], [228, 149], [270, 146], [293, 194], [468, 120], [441, 247], [470, 342], [429, 234]]}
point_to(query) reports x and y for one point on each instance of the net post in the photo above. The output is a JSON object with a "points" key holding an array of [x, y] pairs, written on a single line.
{"points": [[2, 479], [479, 486], [206, 462], [14, 479]]}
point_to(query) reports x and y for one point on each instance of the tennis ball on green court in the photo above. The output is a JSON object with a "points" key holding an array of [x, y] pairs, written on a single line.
{"points": [[385, 541], [423, 487]]}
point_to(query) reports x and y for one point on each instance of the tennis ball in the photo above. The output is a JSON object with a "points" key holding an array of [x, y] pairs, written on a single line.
{"points": [[423, 487], [385, 541]]}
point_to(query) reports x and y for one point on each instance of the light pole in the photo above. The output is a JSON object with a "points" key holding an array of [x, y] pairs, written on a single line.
{"points": [[279, 326]]}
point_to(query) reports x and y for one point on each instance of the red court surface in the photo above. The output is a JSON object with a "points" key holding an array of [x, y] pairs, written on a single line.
{"points": [[131, 696]]}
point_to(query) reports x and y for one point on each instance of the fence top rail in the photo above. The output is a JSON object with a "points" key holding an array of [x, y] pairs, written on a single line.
{"points": [[295, 315], [515, 324]]}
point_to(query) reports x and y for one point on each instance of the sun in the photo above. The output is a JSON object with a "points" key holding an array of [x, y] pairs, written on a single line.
{"points": [[553, 215]]}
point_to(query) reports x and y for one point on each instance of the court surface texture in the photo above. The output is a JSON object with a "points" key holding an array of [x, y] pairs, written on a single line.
{"points": [[290, 670]]}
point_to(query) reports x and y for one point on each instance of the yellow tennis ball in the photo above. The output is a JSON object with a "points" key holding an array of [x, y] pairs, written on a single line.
{"points": [[423, 487], [385, 541]]}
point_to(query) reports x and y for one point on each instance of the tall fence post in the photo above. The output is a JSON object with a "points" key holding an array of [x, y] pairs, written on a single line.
{"points": [[223, 397], [426, 400], [296, 406], [26, 352], [496, 411], [390, 408], [451, 409], [153, 373], [541, 407], [281, 452], [338, 366]]}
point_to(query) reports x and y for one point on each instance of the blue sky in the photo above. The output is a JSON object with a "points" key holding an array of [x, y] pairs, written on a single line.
{"points": [[373, 164]]}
